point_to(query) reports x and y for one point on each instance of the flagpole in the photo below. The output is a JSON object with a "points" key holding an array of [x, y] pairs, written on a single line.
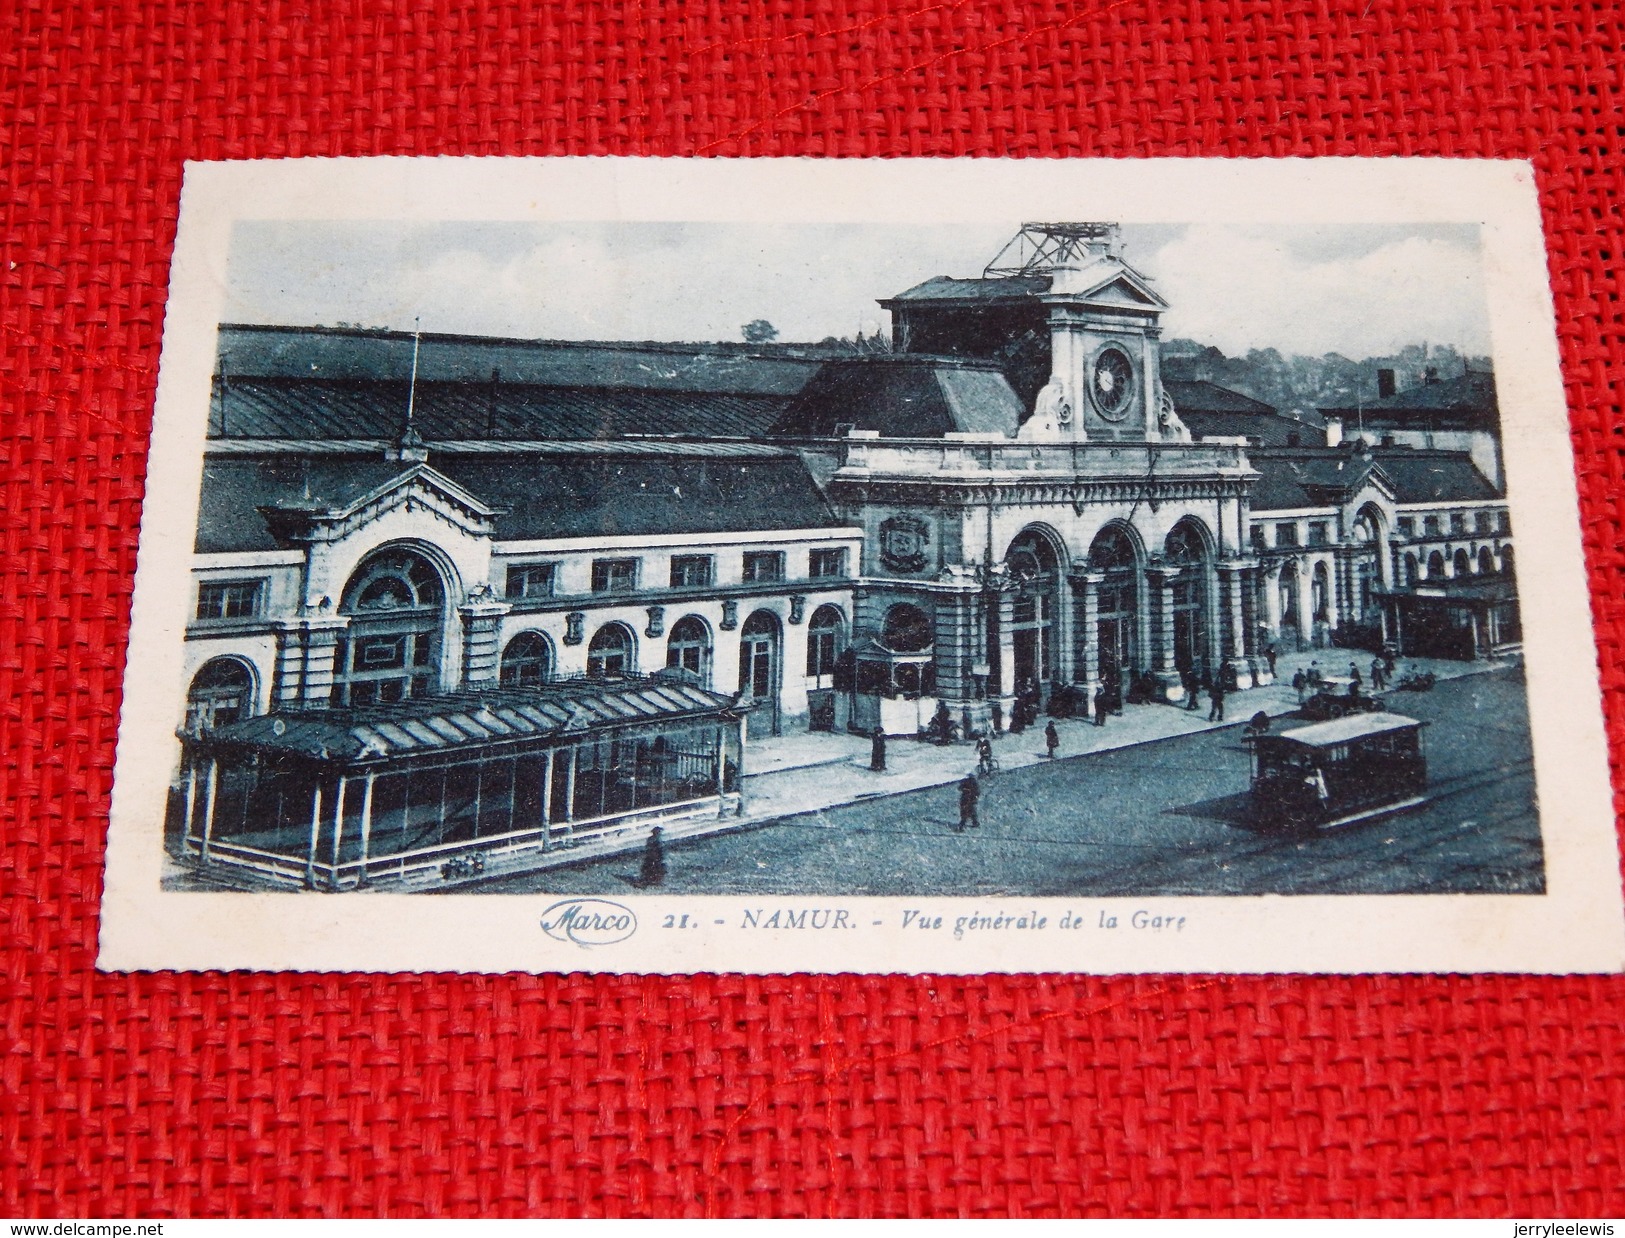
{"points": [[412, 389]]}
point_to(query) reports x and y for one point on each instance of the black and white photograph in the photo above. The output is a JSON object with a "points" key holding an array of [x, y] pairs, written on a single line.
{"points": [[1055, 564]]}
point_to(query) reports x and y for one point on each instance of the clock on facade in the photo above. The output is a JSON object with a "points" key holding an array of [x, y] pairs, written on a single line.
{"points": [[1112, 383]]}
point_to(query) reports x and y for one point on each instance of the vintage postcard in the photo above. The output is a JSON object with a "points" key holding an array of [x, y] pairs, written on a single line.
{"points": [[950, 566]]}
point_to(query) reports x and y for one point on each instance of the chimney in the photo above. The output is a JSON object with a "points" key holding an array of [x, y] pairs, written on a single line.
{"points": [[1334, 431], [1385, 384]]}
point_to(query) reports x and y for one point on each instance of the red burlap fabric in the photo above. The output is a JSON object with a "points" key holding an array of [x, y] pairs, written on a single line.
{"points": [[298, 1095]]}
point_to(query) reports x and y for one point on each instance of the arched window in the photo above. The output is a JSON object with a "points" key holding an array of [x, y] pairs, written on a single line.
{"points": [[527, 662], [1367, 571], [609, 656], [1036, 567], [222, 692], [1506, 560], [906, 629], [1462, 564], [759, 664], [689, 647], [1435, 566], [391, 650], [1117, 629], [1486, 562], [1186, 548], [825, 633], [1412, 569]]}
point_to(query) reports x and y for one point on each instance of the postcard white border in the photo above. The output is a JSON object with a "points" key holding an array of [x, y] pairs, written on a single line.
{"points": [[1578, 925]]}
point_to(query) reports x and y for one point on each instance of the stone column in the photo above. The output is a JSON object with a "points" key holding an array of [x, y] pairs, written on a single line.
{"points": [[305, 661], [482, 653], [1306, 601], [959, 645], [1086, 602], [1061, 638], [1006, 669], [1270, 581], [1162, 632], [1233, 581]]}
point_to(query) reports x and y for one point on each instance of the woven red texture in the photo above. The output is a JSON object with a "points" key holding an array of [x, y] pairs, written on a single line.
{"points": [[300, 1095]]}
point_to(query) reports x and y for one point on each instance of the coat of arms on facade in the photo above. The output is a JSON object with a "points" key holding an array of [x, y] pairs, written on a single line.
{"points": [[903, 540]]}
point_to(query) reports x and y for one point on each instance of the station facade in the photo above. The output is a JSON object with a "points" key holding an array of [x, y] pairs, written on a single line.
{"points": [[1008, 505]]}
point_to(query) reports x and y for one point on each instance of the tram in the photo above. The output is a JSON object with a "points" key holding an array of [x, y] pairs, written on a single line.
{"points": [[1336, 773]]}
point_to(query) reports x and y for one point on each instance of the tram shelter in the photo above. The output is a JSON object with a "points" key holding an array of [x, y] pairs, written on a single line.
{"points": [[432, 788], [1462, 619]]}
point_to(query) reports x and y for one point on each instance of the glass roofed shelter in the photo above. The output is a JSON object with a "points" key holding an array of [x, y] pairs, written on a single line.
{"points": [[436, 787]]}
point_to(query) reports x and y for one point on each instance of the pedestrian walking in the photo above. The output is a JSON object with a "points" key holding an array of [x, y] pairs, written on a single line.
{"points": [[1102, 705], [1216, 691], [1313, 674], [1379, 679], [877, 752], [1052, 739], [1270, 653], [1300, 684], [653, 872], [1354, 674], [1187, 677], [970, 794]]}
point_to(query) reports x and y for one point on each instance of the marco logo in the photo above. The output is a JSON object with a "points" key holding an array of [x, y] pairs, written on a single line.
{"points": [[589, 922]]}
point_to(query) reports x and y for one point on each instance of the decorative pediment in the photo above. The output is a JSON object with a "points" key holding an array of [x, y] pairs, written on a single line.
{"points": [[1125, 291], [419, 488]]}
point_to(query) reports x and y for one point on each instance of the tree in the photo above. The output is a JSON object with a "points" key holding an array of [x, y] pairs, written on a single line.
{"points": [[759, 331]]}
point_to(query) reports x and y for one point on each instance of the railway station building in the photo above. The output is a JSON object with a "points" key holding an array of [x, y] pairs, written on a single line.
{"points": [[1010, 506]]}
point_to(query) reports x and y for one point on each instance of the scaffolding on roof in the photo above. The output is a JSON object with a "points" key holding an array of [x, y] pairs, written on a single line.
{"points": [[1041, 249]]}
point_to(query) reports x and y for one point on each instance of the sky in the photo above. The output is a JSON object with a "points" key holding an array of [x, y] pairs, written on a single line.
{"points": [[1360, 289]]}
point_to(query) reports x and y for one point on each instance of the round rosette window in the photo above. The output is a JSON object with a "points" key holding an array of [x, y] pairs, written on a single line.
{"points": [[1112, 383]]}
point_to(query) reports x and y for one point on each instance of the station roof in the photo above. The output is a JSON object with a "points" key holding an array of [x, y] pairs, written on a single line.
{"points": [[1211, 411], [1467, 401], [360, 354], [467, 721], [945, 289], [1425, 476], [904, 395], [376, 408], [1299, 477], [535, 490], [1349, 727]]}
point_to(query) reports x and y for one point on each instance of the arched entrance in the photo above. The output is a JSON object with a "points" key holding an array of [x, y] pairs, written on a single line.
{"points": [[222, 692], [527, 662], [1320, 602], [1291, 598], [1367, 567], [689, 647], [396, 602], [1186, 549], [1036, 567], [1117, 618], [826, 643], [759, 664]]}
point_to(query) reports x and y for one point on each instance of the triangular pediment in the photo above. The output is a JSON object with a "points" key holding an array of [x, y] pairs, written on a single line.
{"points": [[1122, 291], [1114, 282], [416, 487], [429, 481]]}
